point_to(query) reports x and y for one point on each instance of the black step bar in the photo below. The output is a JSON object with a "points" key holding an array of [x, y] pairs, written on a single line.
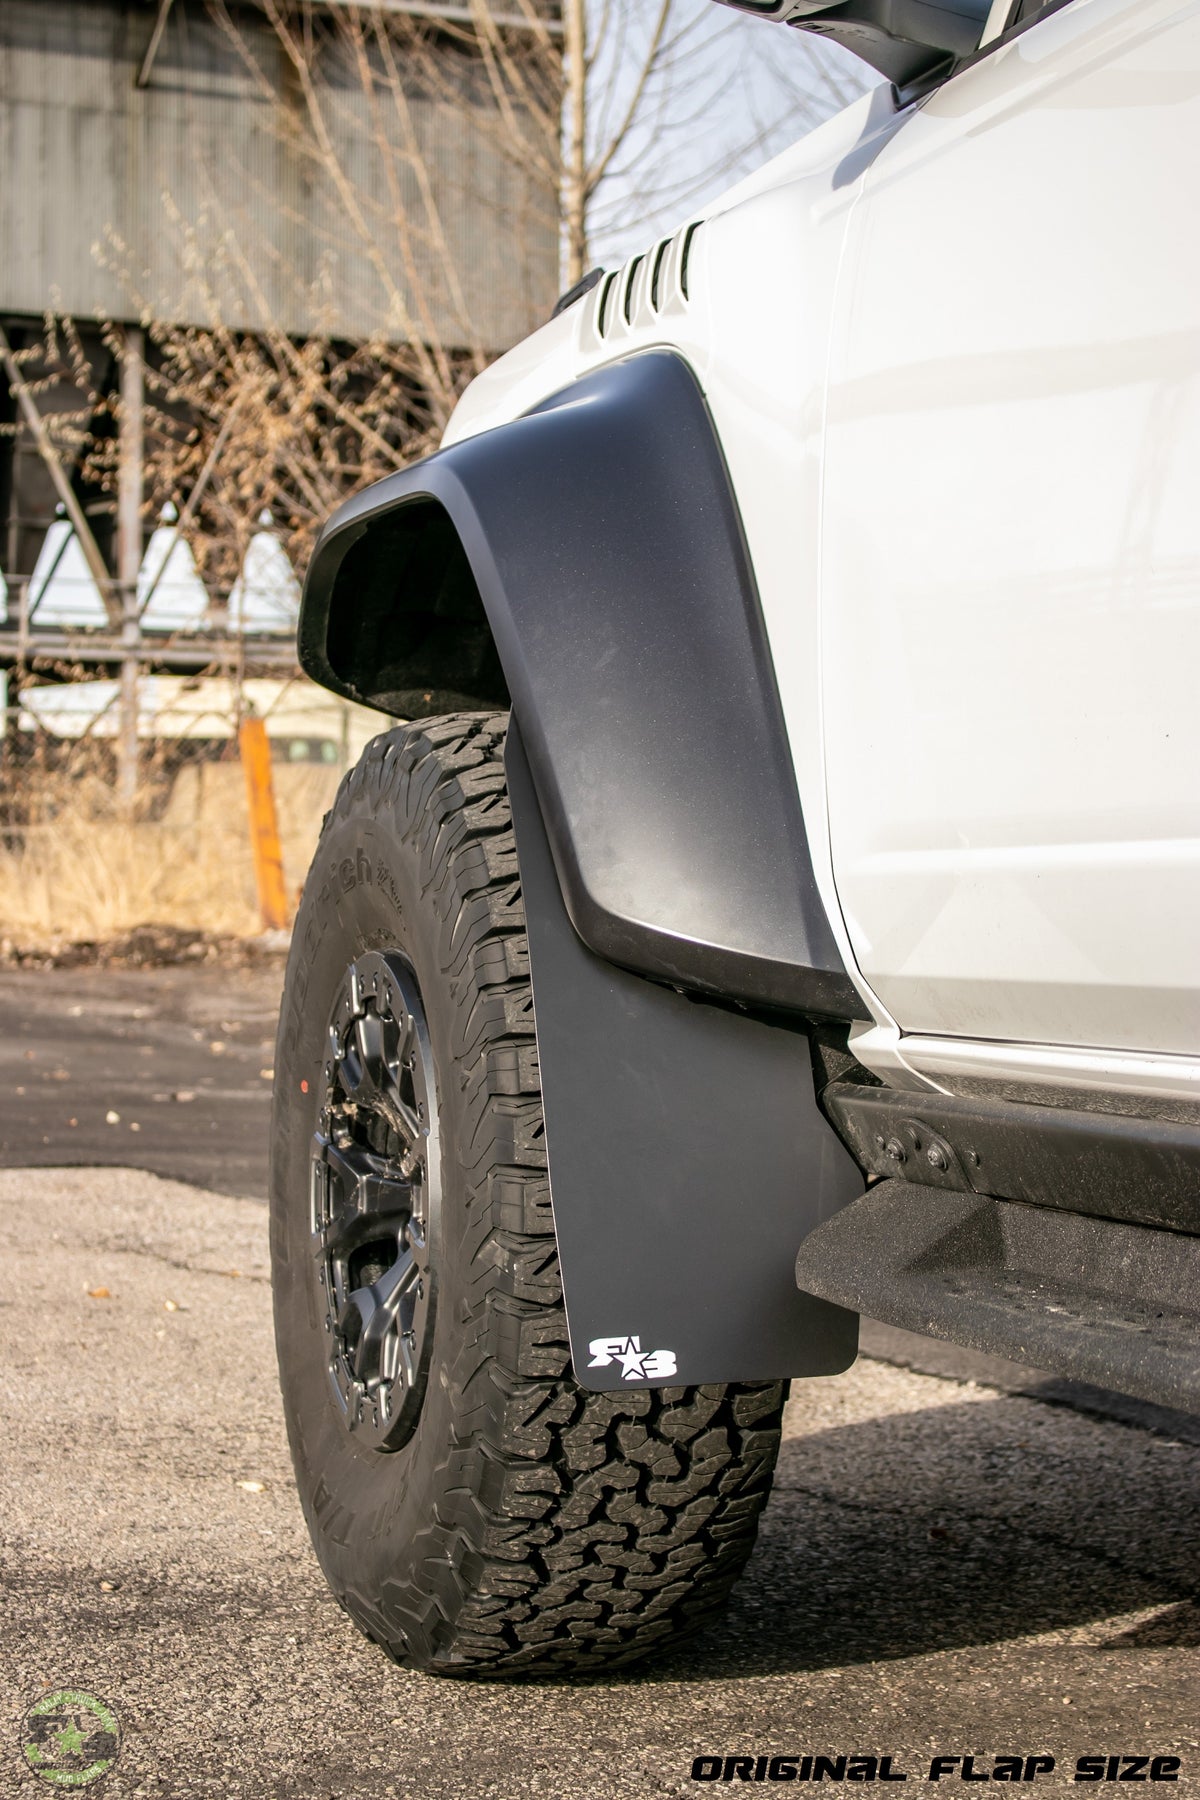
{"points": [[1143, 1171], [1093, 1299]]}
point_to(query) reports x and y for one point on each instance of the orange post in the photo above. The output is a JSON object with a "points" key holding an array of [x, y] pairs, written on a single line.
{"points": [[264, 824]]}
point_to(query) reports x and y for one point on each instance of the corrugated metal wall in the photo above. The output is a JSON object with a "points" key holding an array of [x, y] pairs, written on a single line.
{"points": [[195, 191]]}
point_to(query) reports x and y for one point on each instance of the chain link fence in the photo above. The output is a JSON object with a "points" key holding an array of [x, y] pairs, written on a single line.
{"points": [[79, 863]]}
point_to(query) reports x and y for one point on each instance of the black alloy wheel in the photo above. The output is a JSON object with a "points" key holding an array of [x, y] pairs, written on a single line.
{"points": [[376, 1174]]}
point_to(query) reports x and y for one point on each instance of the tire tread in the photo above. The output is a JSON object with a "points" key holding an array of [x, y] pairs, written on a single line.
{"points": [[574, 1530]]}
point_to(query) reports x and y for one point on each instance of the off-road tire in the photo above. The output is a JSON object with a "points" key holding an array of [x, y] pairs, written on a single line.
{"points": [[526, 1526]]}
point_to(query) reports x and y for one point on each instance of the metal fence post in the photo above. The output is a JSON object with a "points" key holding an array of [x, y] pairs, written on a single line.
{"points": [[129, 554], [264, 824]]}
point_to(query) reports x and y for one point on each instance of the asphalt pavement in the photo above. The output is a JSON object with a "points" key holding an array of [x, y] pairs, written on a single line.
{"points": [[166, 1069], [959, 1557]]}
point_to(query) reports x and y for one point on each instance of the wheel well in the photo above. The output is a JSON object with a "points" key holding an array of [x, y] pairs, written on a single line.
{"points": [[407, 630]]}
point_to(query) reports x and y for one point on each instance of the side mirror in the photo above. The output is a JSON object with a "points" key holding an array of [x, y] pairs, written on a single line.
{"points": [[903, 39]]}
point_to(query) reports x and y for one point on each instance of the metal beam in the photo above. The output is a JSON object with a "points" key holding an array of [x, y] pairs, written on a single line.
{"points": [[453, 14], [160, 25], [66, 493], [100, 650], [130, 484], [192, 503]]}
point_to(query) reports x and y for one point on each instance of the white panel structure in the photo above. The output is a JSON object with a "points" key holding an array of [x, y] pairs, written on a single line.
{"points": [[62, 589], [75, 709], [266, 594], [168, 581]]}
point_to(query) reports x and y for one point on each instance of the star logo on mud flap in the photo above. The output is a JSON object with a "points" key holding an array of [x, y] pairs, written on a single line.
{"points": [[636, 1364]]}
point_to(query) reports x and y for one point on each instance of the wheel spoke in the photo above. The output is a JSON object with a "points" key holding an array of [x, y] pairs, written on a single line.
{"points": [[370, 1315], [369, 1066], [366, 1069], [408, 1121], [364, 1198]]}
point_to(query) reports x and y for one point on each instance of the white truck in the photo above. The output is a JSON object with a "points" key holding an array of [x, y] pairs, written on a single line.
{"points": [[784, 904]]}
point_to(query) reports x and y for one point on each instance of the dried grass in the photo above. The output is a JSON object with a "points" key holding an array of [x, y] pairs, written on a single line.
{"points": [[79, 870]]}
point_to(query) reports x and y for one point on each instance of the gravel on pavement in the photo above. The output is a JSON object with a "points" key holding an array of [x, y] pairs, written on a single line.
{"points": [[945, 1567]]}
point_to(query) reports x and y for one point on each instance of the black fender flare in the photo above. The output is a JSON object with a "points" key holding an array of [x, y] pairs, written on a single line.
{"points": [[588, 561]]}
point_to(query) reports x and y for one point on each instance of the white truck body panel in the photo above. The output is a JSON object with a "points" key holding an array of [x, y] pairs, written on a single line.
{"points": [[1011, 559], [964, 436]]}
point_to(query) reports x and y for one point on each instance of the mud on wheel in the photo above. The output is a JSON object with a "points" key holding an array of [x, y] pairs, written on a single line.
{"points": [[474, 1509]]}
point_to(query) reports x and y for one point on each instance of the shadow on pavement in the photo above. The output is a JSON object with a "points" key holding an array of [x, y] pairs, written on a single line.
{"points": [[164, 1069], [976, 1523]]}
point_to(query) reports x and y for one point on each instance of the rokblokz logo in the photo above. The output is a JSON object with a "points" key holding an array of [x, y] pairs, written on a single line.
{"points": [[636, 1364], [70, 1738]]}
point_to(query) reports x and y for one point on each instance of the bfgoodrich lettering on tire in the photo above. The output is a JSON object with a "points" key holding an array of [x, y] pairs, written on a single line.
{"points": [[474, 1510]]}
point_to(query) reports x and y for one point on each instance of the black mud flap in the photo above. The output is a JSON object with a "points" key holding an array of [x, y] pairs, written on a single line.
{"points": [[687, 1156]]}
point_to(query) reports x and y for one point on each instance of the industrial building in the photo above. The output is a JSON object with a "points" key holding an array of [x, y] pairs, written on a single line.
{"points": [[155, 167]]}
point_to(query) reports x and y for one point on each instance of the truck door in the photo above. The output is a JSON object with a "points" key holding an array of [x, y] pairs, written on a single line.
{"points": [[1011, 543]]}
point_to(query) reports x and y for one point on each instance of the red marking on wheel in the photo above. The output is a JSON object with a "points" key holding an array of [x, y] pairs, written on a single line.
{"points": [[304, 1087]]}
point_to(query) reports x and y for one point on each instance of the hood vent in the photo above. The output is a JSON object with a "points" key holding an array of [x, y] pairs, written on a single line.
{"points": [[650, 285]]}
